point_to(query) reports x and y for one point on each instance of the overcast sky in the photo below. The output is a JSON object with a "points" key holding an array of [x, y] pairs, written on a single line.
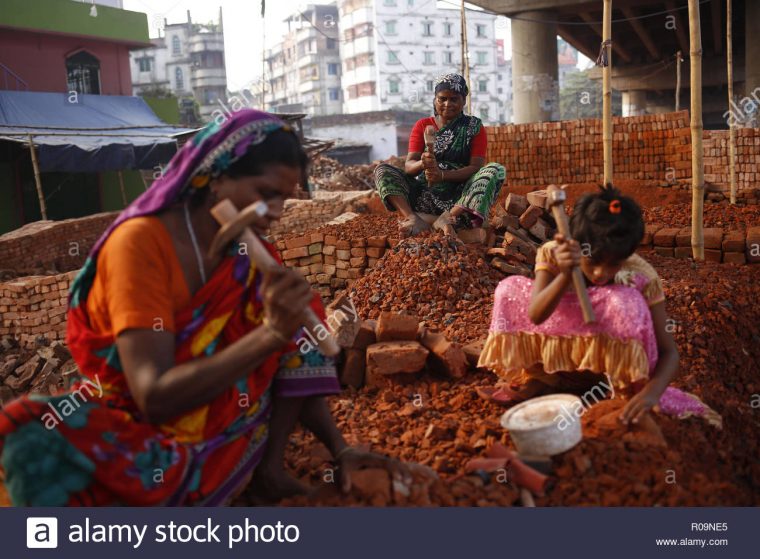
{"points": [[243, 27]]}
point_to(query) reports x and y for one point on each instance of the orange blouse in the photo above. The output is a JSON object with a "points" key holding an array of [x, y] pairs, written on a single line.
{"points": [[139, 281]]}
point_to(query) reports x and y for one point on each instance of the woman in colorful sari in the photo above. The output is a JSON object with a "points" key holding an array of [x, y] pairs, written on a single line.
{"points": [[191, 377], [453, 183]]}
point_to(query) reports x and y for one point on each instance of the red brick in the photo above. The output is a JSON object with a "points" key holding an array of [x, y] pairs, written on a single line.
{"points": [[734, 258], [296, 242], [713, 237], [359, 242], [537, 198], [293, 253], [475, 235], [343, 245], [664, 251], [366, 335], [472, 352], [713, 255], [542, 230], [390, 358], [446, 357], [358, 252], [396, 327], [317, 237], [733, 241], [683, 252], [353, 368], [315, 248], [328, 250], [683, 239], [343, 254], [375, 252], [331, 240], [358, 262], [516, 204], [666, 237], [377, 242], [530, 216]]}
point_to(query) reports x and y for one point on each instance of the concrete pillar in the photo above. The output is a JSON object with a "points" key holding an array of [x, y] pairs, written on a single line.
{"points": [[535, 70], [634, 102], [752, 48]]}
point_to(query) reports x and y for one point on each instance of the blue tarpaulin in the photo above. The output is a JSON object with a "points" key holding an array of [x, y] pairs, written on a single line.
{"points": [[88, 133]]}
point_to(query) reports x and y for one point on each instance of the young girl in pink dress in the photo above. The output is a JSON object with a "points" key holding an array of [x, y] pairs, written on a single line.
{"points": [[538, 342]]}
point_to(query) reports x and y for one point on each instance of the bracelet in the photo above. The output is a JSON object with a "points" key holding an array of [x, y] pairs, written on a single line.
{"points": [[275, 332]]}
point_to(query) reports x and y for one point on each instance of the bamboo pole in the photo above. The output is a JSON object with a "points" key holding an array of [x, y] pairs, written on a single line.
{"points": [[607, 92], [121, 187], [466, 58], [731, 119], [37, 179], [679, 60], [697, 152]]}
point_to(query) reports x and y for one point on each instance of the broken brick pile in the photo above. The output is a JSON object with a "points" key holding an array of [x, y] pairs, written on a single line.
{"points": [[449, 286], [46, 247], [335, 255], [42, 369], [733, 247], [328, 174], [441, 422], [520, 226], [376, 352], [299, 216], [652, 148]]}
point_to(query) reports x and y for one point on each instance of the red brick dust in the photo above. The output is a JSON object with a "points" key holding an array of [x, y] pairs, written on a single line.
{"points": [[447, 285], [725, 216], [714, 313]]}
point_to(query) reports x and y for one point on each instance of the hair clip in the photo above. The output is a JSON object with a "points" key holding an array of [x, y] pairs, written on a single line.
{"points": [[615, 207], [199, 181]]}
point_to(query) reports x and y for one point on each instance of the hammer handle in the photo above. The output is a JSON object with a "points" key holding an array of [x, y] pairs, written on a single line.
{"points": [[225, 212], [558, 211]]}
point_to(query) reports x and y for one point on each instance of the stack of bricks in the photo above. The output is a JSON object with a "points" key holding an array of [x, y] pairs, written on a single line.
{"points": [[735, 247], [747, 162], [299, 216], [521, 226], [330, 264], [35, 306], [651, 147], [52, 245]]}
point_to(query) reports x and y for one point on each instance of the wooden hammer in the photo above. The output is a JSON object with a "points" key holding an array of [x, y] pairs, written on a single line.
{"points": [[555, 199], [235, 226], [430, 141]]}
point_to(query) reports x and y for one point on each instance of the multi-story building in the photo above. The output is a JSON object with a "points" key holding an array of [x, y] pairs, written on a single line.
{"points": [[187, 61], [392, 51], [303, 71]]}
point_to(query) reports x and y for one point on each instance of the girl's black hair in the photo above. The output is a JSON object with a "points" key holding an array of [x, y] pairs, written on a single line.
{"points": [[610, 223]]}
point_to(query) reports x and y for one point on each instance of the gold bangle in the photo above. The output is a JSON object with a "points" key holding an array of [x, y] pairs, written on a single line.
{"points": [[275, 332]]}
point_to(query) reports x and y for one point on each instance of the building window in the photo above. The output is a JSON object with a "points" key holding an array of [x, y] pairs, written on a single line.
{"points": [[498, 77], [144, 64], [176, 46], [390, 27], [429, 58], [332, 69], [410, 3], [427, 29], [179, 78], [481, 30], [83, 73], [393, 86], [331, 44], [482, 57], [448, 57], [483, 113], [447, 29], [483, 86], [389, 2], [334, 94], [393, 57], [429, 85], [501, 90]]}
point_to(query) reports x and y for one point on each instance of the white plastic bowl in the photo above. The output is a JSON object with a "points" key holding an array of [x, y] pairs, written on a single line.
{"points": [[545, 426]]}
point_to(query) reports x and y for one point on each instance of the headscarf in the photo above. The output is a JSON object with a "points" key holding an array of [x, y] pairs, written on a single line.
{"points": [[207, 155], [451, 82]]}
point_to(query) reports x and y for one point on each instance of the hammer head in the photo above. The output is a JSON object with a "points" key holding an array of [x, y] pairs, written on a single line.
{"points": [[233, 222], [555, 195]]}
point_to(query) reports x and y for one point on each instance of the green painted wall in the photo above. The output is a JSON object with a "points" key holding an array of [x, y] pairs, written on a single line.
{"points": [[166, 108], [111, 193], [66, 16]]}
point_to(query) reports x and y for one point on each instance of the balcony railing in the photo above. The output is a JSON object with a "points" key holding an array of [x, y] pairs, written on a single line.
{"points": [[9, 77]]}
